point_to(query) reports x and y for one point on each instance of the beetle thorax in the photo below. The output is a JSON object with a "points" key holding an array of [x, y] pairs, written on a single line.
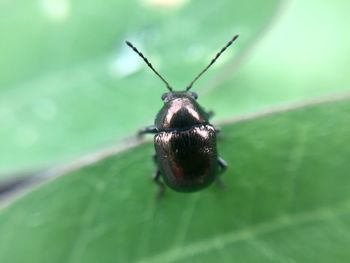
{"points": [[180, 113]]}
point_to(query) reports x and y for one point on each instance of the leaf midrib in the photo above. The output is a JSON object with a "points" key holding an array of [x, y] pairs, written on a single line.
{"points": [[131, 142]]}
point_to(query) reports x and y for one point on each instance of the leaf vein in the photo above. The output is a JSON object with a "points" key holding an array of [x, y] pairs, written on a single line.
{"points": [[196, 248]]}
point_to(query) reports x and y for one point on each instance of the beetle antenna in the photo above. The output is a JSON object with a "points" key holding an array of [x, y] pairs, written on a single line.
{"points": [[149, 64], [212, 62]]}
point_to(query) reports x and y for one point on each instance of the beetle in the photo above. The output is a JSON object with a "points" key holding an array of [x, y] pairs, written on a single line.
{"points": [[184, 139]]}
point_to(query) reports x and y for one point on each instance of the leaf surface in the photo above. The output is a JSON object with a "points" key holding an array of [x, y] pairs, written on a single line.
{"points": [[287, 200]]}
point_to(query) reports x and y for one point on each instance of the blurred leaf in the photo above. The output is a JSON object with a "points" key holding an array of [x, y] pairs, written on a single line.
{"points": [[68, 83], [304, 55], [287, 201]]}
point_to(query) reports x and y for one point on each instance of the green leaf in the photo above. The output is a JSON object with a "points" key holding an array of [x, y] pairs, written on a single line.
{"points": [[287, 200], [68, 83]]}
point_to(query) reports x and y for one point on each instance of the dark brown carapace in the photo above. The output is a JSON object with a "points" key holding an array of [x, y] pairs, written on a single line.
{"points": [[184, 140]]}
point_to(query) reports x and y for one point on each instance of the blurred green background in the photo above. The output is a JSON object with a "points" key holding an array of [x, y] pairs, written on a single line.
{"points": [[70, 86]]}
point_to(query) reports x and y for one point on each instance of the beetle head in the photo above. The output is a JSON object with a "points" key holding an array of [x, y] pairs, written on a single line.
{"points": [[166, 97]]}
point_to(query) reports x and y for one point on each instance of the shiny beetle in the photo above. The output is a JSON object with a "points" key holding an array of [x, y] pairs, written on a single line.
{"points": [[185, 141]]}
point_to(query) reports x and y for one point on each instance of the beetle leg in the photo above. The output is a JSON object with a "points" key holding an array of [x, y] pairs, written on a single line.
{"points": [[157, 180], [154, 157], [222, 164], [210, 114], [148, 129]]}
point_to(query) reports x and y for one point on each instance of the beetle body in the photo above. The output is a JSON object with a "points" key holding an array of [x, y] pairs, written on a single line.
{"points": [[185, 144], [184, 140]]}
